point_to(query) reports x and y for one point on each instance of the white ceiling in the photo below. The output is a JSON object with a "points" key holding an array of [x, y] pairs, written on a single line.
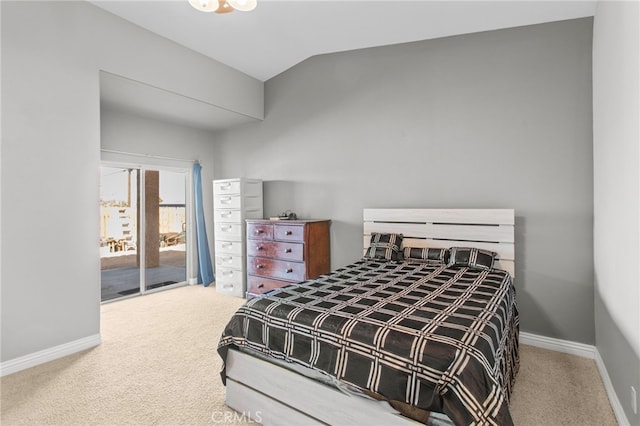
{"points": [[279, 34]]}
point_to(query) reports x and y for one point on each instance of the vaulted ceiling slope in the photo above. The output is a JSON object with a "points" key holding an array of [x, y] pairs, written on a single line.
{"points": [[279, 34]]}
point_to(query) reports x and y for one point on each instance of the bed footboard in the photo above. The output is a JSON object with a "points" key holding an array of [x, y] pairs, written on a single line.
{"points": [[268, 393]]}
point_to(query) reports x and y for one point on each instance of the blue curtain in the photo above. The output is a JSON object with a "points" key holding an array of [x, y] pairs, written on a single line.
{"points": [[205, 268]]}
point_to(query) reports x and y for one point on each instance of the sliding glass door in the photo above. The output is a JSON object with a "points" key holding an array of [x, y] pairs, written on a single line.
{"points": [[166, 225], [143, 230], [120, 269]]}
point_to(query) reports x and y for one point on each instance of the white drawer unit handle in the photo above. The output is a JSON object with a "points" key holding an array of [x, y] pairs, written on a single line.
{"points": [[225, 214], [227, 259], [227, 272], [229, 286], [225, 186], [226, 227], [225, 200], [227, 245]]}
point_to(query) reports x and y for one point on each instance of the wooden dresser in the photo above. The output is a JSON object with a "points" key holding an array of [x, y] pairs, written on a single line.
{"points": [[234, 200], [283, 252]]}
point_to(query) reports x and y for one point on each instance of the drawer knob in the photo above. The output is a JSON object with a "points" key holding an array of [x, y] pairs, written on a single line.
{"points": [[259, 231], [260, 285], [259, 248], [288, 250], [289, 270], [260, 266], [288, 233]]}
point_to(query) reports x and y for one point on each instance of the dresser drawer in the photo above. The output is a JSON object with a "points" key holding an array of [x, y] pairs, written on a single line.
{"points": [[230, 288], [226, 187], [260, 231], [228, 231], [233, 216], [229, 275], [259, 285], [228, 261], [230, 282], [276, 250], [229, 247], [288, 233], [280, 269], [227, 202]]}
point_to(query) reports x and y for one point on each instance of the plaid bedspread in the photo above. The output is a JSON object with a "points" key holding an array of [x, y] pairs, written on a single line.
{"points": [[437, 338]]}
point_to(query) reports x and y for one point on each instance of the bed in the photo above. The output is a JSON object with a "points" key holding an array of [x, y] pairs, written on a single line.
{"points": [[431, 339]]}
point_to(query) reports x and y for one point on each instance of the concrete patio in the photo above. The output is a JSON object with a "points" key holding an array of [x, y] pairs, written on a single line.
{"points": [[120, 275]]}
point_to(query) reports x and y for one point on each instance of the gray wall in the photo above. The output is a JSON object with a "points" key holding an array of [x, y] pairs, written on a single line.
{"points": [[52, 53], [616, 90], [499, 119]]}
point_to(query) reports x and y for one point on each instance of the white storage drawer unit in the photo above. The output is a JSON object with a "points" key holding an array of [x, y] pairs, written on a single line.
{"points": [[226, 215], [234, 201], [230, 247], [228, 231]]}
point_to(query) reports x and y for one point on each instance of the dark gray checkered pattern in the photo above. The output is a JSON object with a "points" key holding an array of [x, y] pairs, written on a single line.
{"points": [[440, 338], [429, 255], [472, 257], [385, 246]]}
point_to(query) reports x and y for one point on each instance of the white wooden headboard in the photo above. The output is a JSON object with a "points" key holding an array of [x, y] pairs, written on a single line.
{"points": [[491, 229]]}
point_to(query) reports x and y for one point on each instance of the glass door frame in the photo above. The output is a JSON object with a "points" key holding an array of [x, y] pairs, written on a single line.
{"points": [[142, 167]]}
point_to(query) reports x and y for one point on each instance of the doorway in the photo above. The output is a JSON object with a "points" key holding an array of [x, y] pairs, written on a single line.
{"points": [[143, 230]]}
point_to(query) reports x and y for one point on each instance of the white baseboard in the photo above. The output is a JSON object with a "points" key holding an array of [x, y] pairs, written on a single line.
{"points": [[46, 355], [558, 345], [586, 351], [621, 417]]}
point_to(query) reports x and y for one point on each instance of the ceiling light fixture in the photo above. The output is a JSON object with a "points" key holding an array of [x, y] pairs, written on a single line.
{"points": [[223, 6]]}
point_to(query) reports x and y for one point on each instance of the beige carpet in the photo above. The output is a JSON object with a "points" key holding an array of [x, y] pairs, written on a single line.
{"points": [[158, 365]]}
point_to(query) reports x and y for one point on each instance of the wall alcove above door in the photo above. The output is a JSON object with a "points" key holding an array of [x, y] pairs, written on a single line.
{"points": [[128, 95]]}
